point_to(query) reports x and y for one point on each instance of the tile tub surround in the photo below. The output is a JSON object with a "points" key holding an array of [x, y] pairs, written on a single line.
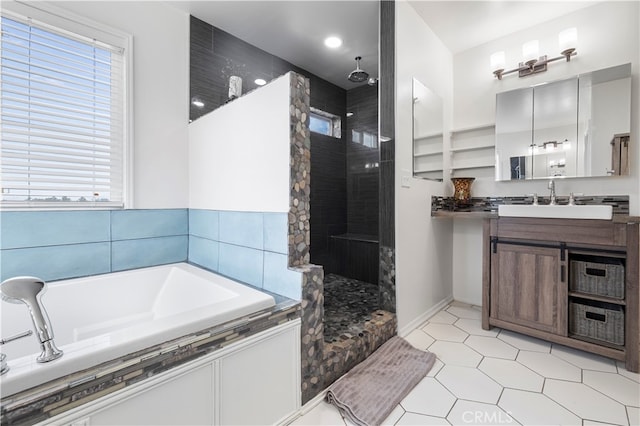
{"points": [[251, 247], [56, 245], [56, 397], [620, 203]]}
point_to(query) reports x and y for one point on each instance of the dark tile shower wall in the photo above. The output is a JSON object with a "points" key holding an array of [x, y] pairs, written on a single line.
{"points": [[328, 196], [354, 249], [362, 162], [216, 55]]}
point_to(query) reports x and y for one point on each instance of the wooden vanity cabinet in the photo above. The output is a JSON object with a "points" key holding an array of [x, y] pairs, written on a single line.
{"points": [[529, 286], [525, 289]]}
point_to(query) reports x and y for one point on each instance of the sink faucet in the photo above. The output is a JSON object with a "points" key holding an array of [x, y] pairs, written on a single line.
{"points": [[28, 290], [552, 195]]}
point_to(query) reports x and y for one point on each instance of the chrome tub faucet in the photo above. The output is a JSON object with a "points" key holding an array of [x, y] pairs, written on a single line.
{"points": [[29, 290]]}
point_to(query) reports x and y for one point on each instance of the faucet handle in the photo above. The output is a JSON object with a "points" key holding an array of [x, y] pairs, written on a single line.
{"points": [[4, 367], [16, 337], [535, 198], [572, 197]]}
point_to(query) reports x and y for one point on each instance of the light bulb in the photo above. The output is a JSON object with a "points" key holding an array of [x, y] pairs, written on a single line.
{"points": [[497, 61], [530, 52], [567, 40]]}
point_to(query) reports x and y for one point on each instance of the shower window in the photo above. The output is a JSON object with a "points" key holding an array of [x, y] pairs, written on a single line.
{"points": [[364, 138], [325, 123]]}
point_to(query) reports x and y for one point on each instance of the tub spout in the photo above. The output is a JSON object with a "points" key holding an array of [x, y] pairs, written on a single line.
{"points": [[29, 290]]}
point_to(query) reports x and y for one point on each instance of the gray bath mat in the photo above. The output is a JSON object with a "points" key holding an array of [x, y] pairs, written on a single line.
{"points": [[368, 393]]}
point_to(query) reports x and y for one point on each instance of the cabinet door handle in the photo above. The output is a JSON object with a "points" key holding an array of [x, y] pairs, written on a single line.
{"points": [[561, 273]]}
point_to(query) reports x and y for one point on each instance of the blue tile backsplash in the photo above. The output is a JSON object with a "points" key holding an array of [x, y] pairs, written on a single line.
{"points": [[251, 247], [242, 228], [247, 246], [53, 228]]}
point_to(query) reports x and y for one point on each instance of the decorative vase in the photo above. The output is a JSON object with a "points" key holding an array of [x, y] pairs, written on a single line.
{"points": [[462, 189]]}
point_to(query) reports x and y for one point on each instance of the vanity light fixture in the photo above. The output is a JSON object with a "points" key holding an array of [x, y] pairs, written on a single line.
{"points": [[532, 63], [550, 146]]}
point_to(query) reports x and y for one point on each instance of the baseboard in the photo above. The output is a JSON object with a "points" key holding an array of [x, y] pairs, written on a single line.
{"points": [[404, 331], [310, 405]]}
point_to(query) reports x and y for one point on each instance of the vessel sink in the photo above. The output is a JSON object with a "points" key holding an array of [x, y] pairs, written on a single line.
{"points": [[599, 211]]}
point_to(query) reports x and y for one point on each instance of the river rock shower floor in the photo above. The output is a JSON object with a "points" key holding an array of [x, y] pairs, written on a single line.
{"points": [[354, 324], [348, 304]]}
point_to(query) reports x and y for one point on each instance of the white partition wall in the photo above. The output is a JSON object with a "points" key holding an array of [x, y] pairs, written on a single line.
{"points": [[239, 153]]}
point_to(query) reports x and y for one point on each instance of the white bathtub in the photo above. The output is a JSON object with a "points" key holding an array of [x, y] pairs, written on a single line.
{"points": [[104, 317]]}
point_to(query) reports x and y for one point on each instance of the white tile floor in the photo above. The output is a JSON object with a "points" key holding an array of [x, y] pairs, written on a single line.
{"points": [[501, 377]]}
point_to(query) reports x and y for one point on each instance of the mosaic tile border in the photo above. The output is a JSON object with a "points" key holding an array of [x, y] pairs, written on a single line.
{"points": [[620, 203], [53, 398]]}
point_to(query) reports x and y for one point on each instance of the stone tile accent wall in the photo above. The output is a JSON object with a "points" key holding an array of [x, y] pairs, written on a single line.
{"points": [[620, 203], [312, 331], [346, 353], [53, 398], [387, 283], [300, 172]]}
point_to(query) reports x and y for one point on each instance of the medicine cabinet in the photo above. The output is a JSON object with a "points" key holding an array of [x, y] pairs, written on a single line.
{"points": [[577, 127]]}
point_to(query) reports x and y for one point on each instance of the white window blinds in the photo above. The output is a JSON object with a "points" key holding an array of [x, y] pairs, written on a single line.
{"points": [[62, 116]]}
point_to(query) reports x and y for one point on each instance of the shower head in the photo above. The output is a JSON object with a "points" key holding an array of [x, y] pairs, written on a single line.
{"points": [[358, 75]]}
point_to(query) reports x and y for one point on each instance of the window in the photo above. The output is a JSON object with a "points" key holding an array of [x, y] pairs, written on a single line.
{"points": [[325, 123], [63, 117], [370, 140]]}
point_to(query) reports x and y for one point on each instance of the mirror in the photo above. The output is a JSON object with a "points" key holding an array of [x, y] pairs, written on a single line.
{"points": [[427, 133], [578, 127]]}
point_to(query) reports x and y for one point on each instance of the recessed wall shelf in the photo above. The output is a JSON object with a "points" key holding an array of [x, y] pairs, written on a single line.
{"points": [[427, 154], [473, 148], [473, 166], [474, 128], [428, 171]]}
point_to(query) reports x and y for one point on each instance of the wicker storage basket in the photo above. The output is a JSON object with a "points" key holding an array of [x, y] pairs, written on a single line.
{"points": [[597, 320], [600, 276]]}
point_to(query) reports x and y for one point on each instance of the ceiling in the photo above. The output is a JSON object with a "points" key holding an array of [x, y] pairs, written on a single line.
{"points": [[462, 25], [295, 30]]}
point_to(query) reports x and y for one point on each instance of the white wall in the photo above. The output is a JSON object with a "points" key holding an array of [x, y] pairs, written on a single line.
{"points": [[607, 36], [160, 94], [423, 245], [239, 153]]}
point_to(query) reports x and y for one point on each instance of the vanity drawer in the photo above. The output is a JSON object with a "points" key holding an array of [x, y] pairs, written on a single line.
{"points": [[597, 320], [601, 276]]}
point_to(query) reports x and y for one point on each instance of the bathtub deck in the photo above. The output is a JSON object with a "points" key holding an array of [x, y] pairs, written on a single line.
{"points": [[50, 399]]}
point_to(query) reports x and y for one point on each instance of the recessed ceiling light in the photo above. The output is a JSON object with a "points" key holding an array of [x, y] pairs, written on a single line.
{"points": [[197, 102], [260, 81], [333, 42]]}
